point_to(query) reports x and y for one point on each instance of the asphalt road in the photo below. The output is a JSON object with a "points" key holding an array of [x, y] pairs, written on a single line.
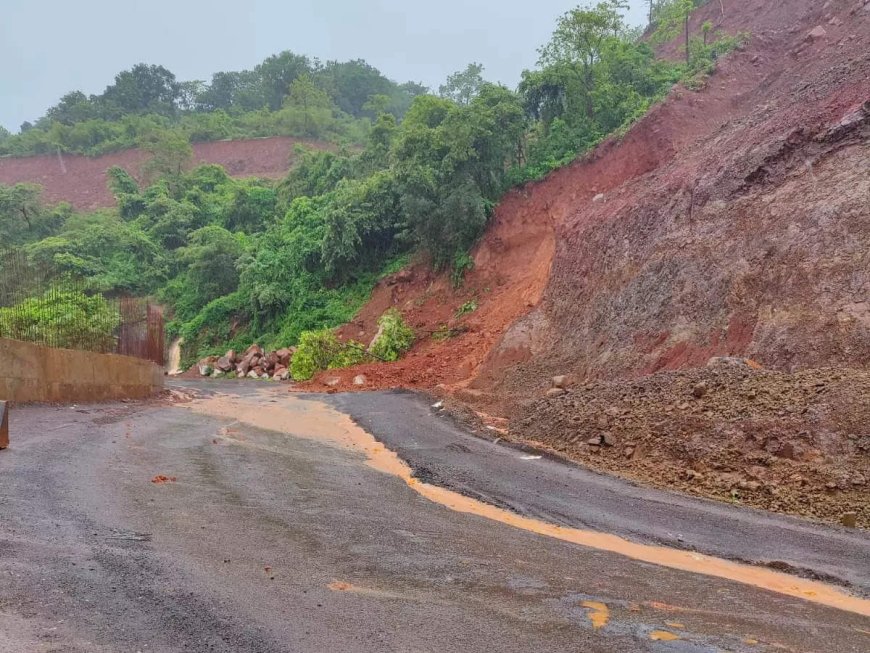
{"points": [[276, 540], [442, 452]]}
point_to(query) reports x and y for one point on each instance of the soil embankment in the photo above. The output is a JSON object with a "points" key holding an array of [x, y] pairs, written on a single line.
{"points": [[81, 180]]}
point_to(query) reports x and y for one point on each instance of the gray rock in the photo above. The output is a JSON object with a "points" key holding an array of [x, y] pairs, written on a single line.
{"points": [[818, 32], [560, 382], [224, 364]]}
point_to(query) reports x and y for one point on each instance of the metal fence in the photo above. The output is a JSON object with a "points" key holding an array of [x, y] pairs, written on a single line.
{"points": [[38, 305]]}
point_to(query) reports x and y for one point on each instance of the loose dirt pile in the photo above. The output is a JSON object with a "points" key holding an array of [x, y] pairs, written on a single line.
{"points": [[81, 180], [794, 443]]}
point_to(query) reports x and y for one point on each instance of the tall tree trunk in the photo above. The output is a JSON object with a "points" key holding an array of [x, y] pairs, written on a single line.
{"points": [[688, 62]]}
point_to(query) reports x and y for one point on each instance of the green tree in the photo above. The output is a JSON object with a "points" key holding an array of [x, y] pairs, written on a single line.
{"points": [[170, 152], [253, 205], [278, 72], [317, 172], [143, 89], [234, 91], [210, 259], [23, 218], [74, 107], [351, 84], [190, 94], [307, 108], [464, 85], [579, 38], [672, 19]]}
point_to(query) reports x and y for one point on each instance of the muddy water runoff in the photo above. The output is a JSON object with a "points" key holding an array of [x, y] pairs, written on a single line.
{"points": [[314, 420]]}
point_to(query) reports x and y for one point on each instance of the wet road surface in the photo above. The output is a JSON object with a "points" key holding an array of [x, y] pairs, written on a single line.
{"points": [[285, 539]]}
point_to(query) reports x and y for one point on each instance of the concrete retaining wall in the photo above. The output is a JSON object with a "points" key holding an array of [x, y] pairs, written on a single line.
{"points": [[32, 373]]}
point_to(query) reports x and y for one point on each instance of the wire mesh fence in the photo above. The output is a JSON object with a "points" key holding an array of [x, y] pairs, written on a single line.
{"points": [[40, 306]]}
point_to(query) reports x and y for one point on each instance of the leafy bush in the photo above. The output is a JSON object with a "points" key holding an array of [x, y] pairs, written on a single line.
{"points": [[394, 338], [322, 350], [315, 352], [351, 353], [68, 319], [462, 265]]}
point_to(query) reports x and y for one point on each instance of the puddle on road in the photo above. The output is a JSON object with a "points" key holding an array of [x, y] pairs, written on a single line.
{"points": [[663, 636], [599, 614], [313, 420]]}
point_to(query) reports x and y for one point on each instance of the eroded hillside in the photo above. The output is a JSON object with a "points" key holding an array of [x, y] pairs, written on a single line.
{"points": [[732, 220], [81, 180]]}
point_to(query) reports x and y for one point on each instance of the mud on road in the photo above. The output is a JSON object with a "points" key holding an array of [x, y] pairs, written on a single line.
{"points": [[287, 538]]}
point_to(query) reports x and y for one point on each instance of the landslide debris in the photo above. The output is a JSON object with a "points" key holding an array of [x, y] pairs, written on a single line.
{"points": [[793, 443]]}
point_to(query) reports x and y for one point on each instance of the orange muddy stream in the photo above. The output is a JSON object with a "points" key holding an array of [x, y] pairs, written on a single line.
{"points": [[313, 420]]}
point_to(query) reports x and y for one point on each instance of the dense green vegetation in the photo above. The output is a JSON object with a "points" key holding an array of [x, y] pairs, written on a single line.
{"points": [[239, 260], [287, 94]]}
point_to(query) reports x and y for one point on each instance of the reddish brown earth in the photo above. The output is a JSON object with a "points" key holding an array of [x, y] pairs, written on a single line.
{"points": [[81, 180], [731, 220]]}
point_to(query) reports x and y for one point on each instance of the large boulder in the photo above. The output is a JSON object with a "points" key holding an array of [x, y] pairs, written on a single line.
{"points": [[253, 349], [224, 364], [284, 356], [281, 374], [206, 365], [270, 361]]}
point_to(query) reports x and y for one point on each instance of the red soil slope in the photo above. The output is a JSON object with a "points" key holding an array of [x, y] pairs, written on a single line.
{"points": [[730, 220], [81, 180]]}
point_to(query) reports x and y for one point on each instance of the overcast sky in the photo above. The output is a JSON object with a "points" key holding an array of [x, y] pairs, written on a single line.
{"points": [[50, 47]]}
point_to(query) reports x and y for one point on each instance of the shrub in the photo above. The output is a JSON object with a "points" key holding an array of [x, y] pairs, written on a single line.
{"points": [[315, 352], [322, 350], [462, 265], [68, 319], [351, 353], [395, 337]]}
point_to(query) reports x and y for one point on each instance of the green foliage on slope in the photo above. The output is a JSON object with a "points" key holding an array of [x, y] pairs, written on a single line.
{"points": [[244, 260], [286, 95]]}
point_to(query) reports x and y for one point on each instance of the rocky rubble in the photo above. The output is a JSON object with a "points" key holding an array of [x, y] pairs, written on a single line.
{"points": [[254, 363], [796, 443]]}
